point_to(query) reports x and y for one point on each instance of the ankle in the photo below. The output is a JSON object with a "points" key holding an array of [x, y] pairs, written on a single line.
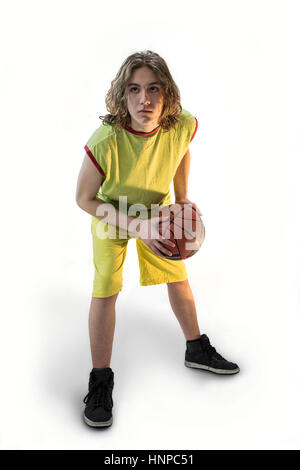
{"points": [[193, 338], [99, 366]]}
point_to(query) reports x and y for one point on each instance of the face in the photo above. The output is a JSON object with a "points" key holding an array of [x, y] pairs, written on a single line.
{"points": [[144, 92]]}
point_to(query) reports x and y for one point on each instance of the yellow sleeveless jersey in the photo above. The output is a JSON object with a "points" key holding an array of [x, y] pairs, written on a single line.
{"points": [[139, 165]]}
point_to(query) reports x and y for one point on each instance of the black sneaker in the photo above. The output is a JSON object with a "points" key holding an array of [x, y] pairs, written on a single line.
{"points": [[200, 354], [99, 403]]}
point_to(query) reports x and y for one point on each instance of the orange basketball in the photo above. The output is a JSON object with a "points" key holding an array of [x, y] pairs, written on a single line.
{"points": [[185, 228]]}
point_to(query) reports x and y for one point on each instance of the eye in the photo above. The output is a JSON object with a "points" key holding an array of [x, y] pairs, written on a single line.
{"points": [[132, 89]]}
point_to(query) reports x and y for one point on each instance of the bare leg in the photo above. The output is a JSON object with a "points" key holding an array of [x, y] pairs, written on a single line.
{"points": [[102, 318], [183, 305]]}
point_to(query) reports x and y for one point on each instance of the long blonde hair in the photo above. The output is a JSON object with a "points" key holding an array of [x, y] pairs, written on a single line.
{"points": [[116, 101]]}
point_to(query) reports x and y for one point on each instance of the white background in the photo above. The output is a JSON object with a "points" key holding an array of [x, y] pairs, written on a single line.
{"points": [[236, 64]]}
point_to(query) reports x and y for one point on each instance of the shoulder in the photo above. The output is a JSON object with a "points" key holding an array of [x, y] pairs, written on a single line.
{"points": [[186, 117], [187, 120], [187, 124], [101, 136], [99, 146]]}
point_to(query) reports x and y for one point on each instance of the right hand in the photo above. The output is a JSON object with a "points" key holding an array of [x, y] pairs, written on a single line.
{"points": [[149, 234]]}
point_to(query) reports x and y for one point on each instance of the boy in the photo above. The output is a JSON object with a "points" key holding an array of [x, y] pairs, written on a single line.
{"points": [[141, 147]]}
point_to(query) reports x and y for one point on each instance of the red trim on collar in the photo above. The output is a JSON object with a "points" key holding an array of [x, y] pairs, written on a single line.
{"points": [[129, 129]]}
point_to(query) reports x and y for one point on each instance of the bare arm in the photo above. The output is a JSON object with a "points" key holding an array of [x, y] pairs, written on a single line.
{"points": [[88, 184], [180, 179]]}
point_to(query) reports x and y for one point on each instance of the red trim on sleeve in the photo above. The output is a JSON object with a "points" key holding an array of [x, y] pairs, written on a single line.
{"points": [[195, 129], [94, 160]]}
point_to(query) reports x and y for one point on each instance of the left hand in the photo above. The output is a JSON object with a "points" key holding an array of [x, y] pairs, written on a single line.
{"points": [[187, 201]]}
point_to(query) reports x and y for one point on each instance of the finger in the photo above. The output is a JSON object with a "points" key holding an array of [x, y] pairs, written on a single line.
{"points": [[162, 249], [167, 241], [158, 253], [152, 248]]}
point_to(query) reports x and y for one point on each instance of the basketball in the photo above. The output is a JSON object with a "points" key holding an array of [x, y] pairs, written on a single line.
{"points": [[185, 228]]}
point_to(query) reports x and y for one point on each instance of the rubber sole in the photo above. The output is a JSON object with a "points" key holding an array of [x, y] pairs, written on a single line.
{"points": [[99, 424], [195, 365]]}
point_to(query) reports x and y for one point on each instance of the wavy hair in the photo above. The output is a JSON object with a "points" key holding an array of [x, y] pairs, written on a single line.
{"points": [[116, 100]]}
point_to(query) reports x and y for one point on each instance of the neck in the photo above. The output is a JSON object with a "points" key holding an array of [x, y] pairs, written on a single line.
{"points": [[143, 128]]}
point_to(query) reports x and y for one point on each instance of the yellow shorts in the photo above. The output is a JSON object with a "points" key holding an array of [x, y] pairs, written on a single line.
{"points": [[109, 256]]}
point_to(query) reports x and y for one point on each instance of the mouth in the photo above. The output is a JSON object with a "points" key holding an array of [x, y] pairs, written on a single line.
{"points": [[145, 111]]}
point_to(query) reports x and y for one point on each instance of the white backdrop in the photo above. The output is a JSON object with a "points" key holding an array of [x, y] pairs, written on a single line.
{"points": [[236, 64]]}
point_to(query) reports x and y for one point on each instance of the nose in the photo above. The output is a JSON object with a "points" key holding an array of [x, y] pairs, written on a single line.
{"points": [[144, 98]]}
